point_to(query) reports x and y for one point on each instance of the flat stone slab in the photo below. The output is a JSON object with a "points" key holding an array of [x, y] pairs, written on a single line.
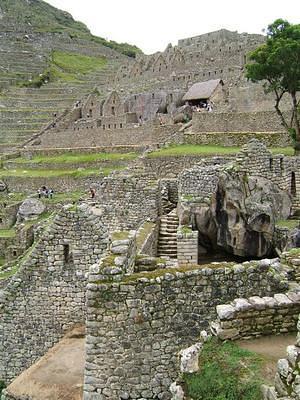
{"points": [[56, 376]]}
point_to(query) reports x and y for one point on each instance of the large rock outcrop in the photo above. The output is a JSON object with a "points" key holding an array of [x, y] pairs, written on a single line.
{"points": [[245, 209]]}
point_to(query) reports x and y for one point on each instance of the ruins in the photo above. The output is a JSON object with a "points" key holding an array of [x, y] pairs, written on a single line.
{"points": [[169, 245]]}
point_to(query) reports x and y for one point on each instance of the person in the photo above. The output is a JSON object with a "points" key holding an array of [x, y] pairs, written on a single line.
{"points": [[92, 193], [50, 193]]}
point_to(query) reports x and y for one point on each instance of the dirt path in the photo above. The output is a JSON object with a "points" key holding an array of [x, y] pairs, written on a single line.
{"points": [[56, 376], [271, 348]]}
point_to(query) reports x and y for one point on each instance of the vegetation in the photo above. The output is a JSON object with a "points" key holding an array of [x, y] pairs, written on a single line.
{"points": [[43, 17], [67, 67], [277, 63], [288, 223], [207, 150], [77, 158], [227, 372], [2, 386], [7, 233]]}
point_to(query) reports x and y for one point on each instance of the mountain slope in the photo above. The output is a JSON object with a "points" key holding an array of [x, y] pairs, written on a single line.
{"points": [[43, 46]]}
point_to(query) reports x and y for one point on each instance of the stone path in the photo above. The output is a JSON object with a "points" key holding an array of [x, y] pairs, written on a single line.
{"points": [[271, 348], [56, 376]]}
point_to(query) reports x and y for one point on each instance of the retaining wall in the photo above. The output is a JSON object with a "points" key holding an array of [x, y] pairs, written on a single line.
{"points": [[136, 326]]}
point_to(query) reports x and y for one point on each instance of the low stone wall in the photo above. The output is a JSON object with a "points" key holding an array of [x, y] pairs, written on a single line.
{"points": [[286, 383], [257, 316], [66, 166], [32, 152], [270, 139], [136, 326], [59, 184], [46, 296]]}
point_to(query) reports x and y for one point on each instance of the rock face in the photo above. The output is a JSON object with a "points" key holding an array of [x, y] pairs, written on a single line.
{"points": [[245, 209], [30, 209]]}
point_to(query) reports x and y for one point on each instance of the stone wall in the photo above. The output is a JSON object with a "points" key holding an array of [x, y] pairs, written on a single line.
{"points": [[146, 134], [200, 181], [129, 200], [257, 316], [270, 139], [136, 326], [46, 296], [57, 183], [287, 378], [171, 166], [187, 247], [31, 152], [265, 121]]}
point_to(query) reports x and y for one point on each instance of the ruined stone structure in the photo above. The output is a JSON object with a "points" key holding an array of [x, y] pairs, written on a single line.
{"points": [[114, 264]]}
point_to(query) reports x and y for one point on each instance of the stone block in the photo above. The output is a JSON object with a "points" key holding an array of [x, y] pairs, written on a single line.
{"points": [[225, 311]]}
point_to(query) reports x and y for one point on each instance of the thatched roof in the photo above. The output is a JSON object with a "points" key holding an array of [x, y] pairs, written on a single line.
{"points": [[202, 90]]}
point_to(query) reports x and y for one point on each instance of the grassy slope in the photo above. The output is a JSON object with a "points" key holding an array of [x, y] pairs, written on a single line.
{"points": [[43, 17], [78, 158]]}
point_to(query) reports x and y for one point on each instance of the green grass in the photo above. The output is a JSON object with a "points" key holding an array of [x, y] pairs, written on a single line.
{"points": [[190, 149], [63, 198], [208, 150], [287, 151], [7, 233], [77, 158], [71, 67], [19, 173], [227, 372], [288, 223]]}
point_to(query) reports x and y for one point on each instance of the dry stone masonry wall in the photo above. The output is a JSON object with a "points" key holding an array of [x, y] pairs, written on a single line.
{"points": [[136, 326], [257, 316], [47, 296]]}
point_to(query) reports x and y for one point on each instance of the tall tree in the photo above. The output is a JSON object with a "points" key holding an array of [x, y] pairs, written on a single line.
{"points": [[277, 63]]}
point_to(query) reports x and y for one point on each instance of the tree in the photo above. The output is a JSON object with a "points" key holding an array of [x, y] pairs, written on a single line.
{"points": [[277, 63]]}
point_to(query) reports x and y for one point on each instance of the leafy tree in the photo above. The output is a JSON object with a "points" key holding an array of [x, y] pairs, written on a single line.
{"points": [[277, 63]]}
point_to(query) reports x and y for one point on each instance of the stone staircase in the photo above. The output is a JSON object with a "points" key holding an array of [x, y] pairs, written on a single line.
{"points": [[167, 241]]}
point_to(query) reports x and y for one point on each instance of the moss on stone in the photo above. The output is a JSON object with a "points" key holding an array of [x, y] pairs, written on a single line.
{"points": [[120, 235]]}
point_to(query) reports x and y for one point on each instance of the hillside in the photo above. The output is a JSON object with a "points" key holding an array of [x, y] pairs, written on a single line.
{"points": [[41, 46]]}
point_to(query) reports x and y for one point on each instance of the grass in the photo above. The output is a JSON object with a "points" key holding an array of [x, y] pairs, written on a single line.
{"points": [[189, 149], [63, 198], [227, 372], [208, 150], [19, 173], [70, 67], [7, 233], [288, 223], [77, 158]]}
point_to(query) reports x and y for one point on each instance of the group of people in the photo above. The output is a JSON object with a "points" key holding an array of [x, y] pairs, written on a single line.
{"points": [[203, 106], [45, 192]]}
